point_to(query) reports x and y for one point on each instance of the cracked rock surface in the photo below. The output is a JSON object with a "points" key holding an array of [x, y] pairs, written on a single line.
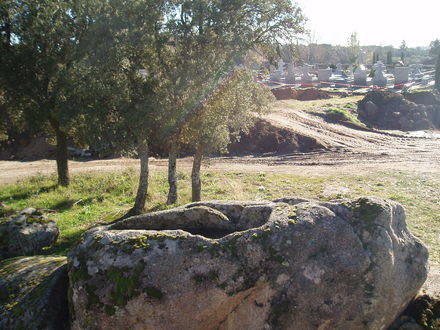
{"points": [[285, 264]]}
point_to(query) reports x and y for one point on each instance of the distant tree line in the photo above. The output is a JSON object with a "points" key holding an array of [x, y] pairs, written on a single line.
{"points": [[127, 74], [308, 51]]}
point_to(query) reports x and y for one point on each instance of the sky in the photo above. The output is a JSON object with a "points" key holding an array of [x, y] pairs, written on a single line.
{"points": [[377, 22]]}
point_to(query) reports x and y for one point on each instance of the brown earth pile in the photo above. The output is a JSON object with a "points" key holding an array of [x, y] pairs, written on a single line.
{"points": [[309, 94], [388, 110], [264, 138]]}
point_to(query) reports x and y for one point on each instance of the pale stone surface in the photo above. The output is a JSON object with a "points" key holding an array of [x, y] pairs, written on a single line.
{"points": [[360, 76], [33, 293], [324, 74], [306, 77], [379, 78], [26, 234], [287, 264], [401, 75]]}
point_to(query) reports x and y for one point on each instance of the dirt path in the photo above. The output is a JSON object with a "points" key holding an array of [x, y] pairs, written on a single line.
{"points": [[345, 150]]}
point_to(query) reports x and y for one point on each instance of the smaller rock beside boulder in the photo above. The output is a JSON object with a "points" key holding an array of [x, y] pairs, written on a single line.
{"points": [[33, 293], [26, 234]]}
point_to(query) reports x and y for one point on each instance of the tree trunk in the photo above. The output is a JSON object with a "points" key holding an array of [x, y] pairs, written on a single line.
{"points": [[141, 195], [195, 176], [62, 157], [172, 178]]}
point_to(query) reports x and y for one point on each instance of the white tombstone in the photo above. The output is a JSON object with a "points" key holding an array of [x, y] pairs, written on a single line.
{"points": [[401, 75], [306, 77], [360, 75], [290, 78], [379, 78], [324, 74]]}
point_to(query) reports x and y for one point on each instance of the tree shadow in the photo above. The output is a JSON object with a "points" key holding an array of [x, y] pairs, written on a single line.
{"points": [[26, 195]]}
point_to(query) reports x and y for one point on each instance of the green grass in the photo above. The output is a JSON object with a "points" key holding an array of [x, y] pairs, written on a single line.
{"points": [[320, 105], [344, 115], [94, 198]]}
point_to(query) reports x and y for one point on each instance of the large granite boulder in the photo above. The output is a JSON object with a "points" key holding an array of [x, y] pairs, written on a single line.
{"points": [[33, 293], [287, 264], [26, 234]]}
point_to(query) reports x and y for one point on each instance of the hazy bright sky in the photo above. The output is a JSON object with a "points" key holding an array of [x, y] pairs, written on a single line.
{"points": [[377, 22]]}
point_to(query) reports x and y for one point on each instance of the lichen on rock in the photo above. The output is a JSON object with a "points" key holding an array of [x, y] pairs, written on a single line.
{"points": [[26, 234], [287, 264], [33, 293]]}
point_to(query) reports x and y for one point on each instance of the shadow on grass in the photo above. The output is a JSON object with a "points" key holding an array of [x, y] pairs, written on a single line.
{"points": [[26, 195], [68, 203]]}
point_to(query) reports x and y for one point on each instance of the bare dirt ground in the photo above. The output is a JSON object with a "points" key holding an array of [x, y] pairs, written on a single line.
{"points": [[345, 150]]}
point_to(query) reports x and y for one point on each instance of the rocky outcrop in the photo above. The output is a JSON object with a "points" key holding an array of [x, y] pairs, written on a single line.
{"points": [[33, 293], [288, 264], [26, 234], [388, 110]]}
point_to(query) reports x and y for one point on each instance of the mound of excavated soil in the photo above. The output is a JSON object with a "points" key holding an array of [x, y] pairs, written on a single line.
{"points": [[264, 137], [388, 110], [424, 97], [309, 94]]}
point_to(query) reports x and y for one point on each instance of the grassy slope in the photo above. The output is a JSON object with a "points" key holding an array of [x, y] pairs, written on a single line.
{"points": [[94, 198]]}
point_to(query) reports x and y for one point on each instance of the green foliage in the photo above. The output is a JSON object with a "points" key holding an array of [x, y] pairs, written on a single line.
{"points": [[353, 48], [40, 45], [229, 113]]}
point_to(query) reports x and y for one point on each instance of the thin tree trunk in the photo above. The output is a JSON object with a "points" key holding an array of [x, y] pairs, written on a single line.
{"points": [[195, 176], [141, 195], [61, 154], [62, 159], [172, 178]]}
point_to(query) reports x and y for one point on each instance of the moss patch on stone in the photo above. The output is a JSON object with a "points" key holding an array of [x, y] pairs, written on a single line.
{"points": [[126, 284], [39, 220], [366, 209]]}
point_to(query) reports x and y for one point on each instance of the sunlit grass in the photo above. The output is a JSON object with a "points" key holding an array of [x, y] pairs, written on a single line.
{"points": [[94, 198]]}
